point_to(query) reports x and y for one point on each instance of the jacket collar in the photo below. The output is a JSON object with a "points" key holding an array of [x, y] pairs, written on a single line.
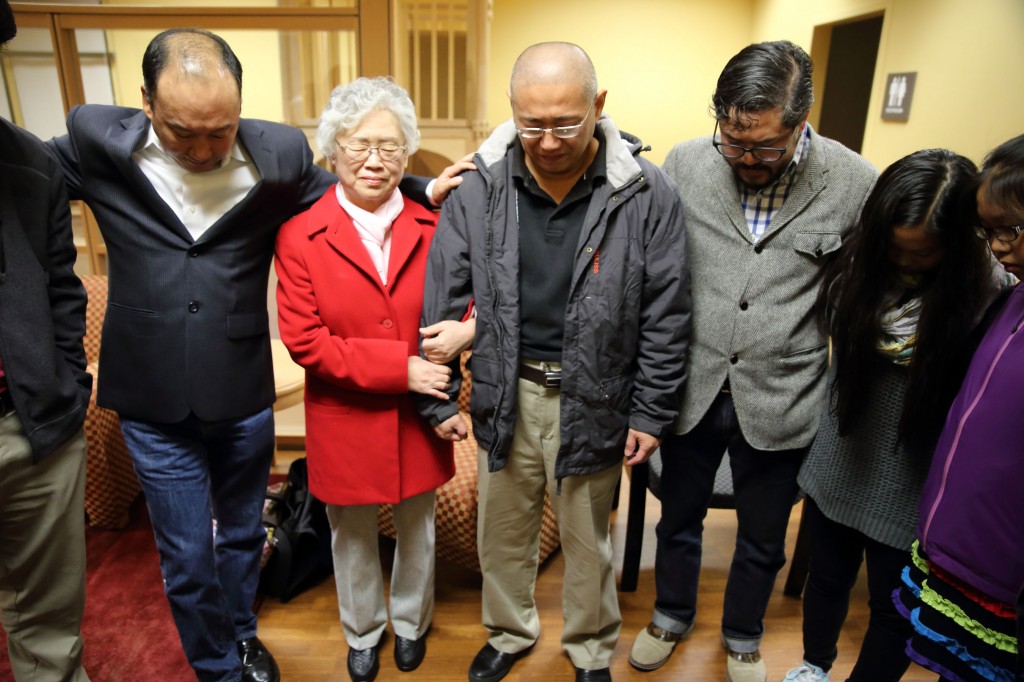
{"points": [[810, 183], [133, 132], [621, 167], [327, 216]]}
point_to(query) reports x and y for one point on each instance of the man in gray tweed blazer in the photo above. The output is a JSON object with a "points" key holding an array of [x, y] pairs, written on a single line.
{"points": [[768, 202]]}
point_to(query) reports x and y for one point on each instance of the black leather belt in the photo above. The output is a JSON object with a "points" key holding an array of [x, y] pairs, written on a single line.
{"points": [[6, 404], [546, 378]]}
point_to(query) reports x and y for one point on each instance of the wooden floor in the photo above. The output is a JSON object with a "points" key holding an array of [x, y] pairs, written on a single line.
{"points": [[306, 639]]}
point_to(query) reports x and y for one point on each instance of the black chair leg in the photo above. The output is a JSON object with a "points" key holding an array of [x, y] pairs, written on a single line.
{"points": [[634, 527], [798, 565]]}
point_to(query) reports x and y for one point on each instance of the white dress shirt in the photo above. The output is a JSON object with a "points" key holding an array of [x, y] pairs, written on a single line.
{"points": [[198, 199]]}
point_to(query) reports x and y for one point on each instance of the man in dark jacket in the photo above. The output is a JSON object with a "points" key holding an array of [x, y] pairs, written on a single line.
{"points": [[572, 249], [44, 393]]}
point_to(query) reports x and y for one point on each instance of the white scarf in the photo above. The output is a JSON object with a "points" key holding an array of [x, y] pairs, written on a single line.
{"points": [[374, 229]]}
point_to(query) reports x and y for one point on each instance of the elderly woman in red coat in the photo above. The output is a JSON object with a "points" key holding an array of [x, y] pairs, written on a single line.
{"points": [[350, 290]]}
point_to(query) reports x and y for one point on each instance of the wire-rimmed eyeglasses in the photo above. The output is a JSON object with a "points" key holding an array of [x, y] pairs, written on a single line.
{"points": [[561, 132], [360, 151], [735, 151], [1004, 233]]}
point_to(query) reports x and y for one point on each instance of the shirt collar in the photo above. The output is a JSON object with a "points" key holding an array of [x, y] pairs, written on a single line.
{"points": [[598, 167]]}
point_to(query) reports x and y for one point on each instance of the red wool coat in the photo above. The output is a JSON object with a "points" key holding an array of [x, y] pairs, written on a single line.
{"points": [[365, 443]]}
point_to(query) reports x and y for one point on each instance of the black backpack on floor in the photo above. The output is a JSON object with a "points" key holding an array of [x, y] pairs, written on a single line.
{"points": [[298, 535]]}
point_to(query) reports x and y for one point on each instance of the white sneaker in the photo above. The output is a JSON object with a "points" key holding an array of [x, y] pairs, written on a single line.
{"points": [[806, 672], [745, 667]]}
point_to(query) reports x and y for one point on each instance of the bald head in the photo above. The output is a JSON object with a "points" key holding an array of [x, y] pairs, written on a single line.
{"points": [[192, 53], [554, 64]]}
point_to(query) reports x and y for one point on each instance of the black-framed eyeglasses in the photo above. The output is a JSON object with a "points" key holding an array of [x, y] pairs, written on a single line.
{"points": [[359, 151], [561, 132], [735, 151], [1004, 233]]}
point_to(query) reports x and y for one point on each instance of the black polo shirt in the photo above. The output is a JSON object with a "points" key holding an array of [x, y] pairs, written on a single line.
{"points": [[549, 236]]}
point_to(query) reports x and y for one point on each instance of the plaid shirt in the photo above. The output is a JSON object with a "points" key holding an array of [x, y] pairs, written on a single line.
{"points": [[761, 205]]}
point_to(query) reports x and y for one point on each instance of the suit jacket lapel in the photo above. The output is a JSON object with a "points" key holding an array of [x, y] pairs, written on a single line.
{"points": [[265, 158], [728, 196], [806, 187], [342, 237], [406, 234], [122, 142]]}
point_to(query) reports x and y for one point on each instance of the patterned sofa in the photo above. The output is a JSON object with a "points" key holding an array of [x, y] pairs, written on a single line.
{"points": [[110, 482], [457, 502]]}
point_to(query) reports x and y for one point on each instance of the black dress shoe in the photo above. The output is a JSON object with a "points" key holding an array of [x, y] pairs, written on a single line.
{"points": [[363, 664], [490, 665], [409, 653], [257, 663], [599, 675]]}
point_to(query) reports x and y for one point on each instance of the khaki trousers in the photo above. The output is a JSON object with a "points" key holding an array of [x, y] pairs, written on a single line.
{"points": [[360, 579], [511, 504], [42, 556]]}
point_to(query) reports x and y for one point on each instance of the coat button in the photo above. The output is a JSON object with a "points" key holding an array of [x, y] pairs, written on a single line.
{"points": [[388, 324], [818, 253], [734, 358], [193, 306], [743, 305], [759, 248], [193, 253]]}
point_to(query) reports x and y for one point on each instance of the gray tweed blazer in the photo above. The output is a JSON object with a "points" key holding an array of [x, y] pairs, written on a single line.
{"points": [[753, 302]]}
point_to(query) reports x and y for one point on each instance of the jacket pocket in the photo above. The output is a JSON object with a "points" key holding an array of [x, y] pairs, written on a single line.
{"points": [[804, 361], [243, 325], [817, 244], [138, 322], [483, 401], [608, 414]]}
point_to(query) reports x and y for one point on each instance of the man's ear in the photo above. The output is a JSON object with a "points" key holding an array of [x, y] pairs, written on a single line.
{"points": [[147, 105]]}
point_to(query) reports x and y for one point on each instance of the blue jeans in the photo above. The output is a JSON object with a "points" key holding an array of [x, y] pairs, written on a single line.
{"points": [[765, 490], [192, 473]]}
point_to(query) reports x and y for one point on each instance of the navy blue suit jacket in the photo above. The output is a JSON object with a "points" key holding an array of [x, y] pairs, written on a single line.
{"points": [[187, 328]]}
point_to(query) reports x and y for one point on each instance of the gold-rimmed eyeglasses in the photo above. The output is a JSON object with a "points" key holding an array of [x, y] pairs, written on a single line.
{"points": [[561, 132], [360, 151]]}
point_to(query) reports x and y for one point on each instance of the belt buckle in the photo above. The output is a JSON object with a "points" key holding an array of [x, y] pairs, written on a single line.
{"points": [[552, 379]]}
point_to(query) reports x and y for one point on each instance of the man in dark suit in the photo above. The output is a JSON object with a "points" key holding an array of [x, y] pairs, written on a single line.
{"points": [[44, 393], [189, 198]]}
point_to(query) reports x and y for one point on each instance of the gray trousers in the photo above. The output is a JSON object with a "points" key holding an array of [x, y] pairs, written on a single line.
{"points": [[360, 579], [42, 556], [511, 506]]}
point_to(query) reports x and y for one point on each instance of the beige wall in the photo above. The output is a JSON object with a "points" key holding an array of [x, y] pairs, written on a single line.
{"points": [[967, 54], [659, 60], [257, 50]]}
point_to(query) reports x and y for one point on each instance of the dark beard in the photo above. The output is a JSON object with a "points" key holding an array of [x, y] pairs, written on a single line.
{"points": [[774, 175]]}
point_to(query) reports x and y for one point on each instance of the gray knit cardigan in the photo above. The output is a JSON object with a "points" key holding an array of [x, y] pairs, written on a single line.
{"points": [[867, 480]]}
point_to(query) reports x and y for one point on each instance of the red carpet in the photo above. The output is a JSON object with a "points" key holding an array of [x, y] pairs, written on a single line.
{"points": [[128, 631]]}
